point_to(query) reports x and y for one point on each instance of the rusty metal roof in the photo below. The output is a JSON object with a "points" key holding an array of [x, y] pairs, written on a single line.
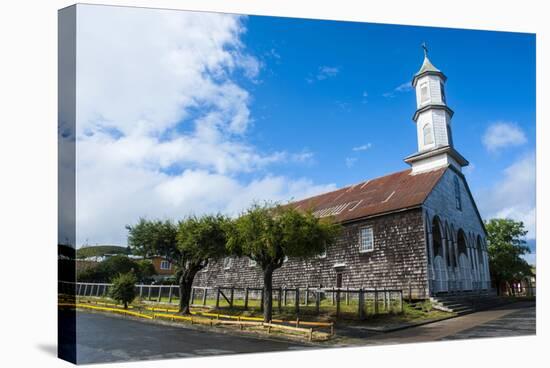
{"points": [[393, 192]]}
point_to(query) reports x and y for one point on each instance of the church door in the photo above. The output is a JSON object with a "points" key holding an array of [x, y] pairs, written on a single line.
{"points": [[440, 283], [465, 272]]}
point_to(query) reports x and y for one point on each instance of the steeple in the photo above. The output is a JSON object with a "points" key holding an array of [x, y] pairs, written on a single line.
{"points": [[433, 121]]}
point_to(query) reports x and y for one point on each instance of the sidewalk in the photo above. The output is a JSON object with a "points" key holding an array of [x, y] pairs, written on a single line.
{"points": [[428, 332]]}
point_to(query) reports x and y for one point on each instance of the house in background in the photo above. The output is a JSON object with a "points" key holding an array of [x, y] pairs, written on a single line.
{"points": [[163, 267]]}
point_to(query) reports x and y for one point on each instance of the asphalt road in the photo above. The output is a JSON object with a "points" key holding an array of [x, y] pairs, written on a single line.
{"points": [[516, 319], [518, 323], [104, 338]]}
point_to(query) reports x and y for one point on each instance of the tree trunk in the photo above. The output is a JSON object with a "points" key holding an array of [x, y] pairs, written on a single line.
{"points": [[125, 305], [185, 286], [268, 294]]}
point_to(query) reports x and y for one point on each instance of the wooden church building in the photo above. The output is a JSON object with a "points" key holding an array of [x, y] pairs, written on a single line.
{"points": [[418, 228]]}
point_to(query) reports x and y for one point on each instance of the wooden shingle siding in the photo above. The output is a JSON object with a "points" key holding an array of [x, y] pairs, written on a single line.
{"points": [[399, 257]]}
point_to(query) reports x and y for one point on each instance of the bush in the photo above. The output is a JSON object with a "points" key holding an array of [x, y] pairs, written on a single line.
{"points": [[123, 289], [115, 265]]}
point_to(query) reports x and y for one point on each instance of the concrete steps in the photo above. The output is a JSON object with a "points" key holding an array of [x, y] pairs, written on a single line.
{"points": [[467, 302]]}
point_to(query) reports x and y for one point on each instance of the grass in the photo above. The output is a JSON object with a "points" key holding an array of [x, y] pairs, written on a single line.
{"points": [[387, 315]]}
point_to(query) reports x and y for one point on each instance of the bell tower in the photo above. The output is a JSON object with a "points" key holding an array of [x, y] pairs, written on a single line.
{"points": [[433, 121]]}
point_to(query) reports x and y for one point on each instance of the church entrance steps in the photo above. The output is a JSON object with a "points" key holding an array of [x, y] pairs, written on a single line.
{"points": [[467, 303]]}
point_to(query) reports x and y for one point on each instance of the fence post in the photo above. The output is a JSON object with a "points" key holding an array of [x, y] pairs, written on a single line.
{"points": [[318, 301], [140, 291], [218, 298], [279, 299], [347, 295], [85, 289], [192, 296], [246, 297], [170, 294], [284, 297], [149, 293], [333, 297], [97, 291], [307, 295], [205, 291], [375, 301], [361, 303], [401, 301], [338, 302], [231, 296], [410, 292], [160, 294], [297, 300]]}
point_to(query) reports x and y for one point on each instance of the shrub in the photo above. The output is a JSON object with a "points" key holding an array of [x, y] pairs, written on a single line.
{"points": [[123, 288]]}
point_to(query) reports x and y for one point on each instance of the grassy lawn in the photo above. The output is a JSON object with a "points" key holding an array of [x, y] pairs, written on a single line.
{"points": [[390, 315]]}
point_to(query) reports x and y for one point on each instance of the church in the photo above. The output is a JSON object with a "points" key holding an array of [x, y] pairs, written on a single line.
{"points": [[417, 229]]}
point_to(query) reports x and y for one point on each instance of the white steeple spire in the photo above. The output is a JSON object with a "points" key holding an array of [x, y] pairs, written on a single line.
{"points": [[433, 121]]}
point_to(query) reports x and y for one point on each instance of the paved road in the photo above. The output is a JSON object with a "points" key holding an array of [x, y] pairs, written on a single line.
{"points": [[518, 323], [512, 320], [104, 338]]}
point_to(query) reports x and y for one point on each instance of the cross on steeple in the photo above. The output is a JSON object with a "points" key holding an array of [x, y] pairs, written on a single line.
{"points": [[425, 47]]}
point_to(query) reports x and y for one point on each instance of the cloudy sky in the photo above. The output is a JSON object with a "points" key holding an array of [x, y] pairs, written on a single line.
{"points": [[185, 113]]}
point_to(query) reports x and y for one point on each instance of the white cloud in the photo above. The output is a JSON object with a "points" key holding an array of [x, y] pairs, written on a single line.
{"points": [[324, 72], [350, 161], [327, 72], [503, 134], [161, 122], [404, 87], [514, 195], [363, 147]]}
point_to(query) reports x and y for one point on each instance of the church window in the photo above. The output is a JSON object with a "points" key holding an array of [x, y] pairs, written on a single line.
{"points": [[366, 239], [227, 262], [457, 194], [424, 95], [252, 263], [442, 93], [428, 134]]}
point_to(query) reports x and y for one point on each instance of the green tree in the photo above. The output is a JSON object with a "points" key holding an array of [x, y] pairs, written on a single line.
{"points": [[145, 268], [115, 265], [506, 246], [269, 233], [189, 245], [123, 289]]}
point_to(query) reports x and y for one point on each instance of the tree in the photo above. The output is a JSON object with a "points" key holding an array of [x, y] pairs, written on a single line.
{"points": [[189, 245], [506, 245], [269, 233], [115, 265], [123, 289], [145, 268]]}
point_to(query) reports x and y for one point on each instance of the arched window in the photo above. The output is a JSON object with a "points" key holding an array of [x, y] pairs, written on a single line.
{"points": [[424, 93], [457, 194], [428, 134]]}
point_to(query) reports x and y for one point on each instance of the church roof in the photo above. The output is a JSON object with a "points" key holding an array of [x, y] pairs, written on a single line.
{"points": [[390, 193]]}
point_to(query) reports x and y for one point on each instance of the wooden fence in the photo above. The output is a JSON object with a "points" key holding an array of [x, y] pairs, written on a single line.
{"points": [[362, 301]]}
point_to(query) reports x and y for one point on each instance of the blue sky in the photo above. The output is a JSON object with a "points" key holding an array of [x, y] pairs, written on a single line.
{"points": [[207, 112]]}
